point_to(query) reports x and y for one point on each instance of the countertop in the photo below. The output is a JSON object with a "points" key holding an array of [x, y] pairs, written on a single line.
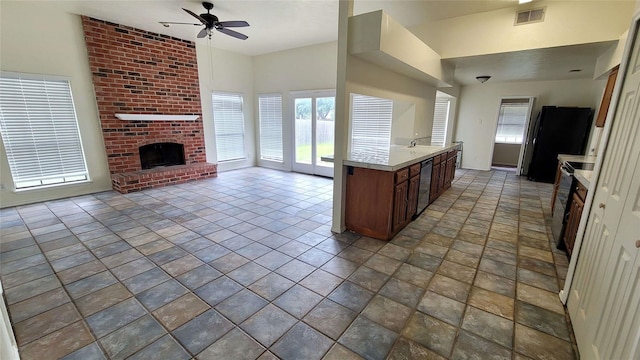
{"points": [[395, 157], [583, 176]]}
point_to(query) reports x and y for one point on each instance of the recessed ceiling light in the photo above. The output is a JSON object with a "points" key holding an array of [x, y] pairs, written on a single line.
{"points": [[575, 70], [524, 1]]}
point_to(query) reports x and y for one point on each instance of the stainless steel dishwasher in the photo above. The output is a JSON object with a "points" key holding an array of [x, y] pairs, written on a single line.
{"points": [[425, 186]]}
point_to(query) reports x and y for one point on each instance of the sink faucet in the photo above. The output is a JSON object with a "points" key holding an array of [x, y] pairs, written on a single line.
{"points": [[412, 143]]}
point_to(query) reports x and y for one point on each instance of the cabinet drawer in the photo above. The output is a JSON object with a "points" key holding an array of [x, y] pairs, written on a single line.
{"points": [[581, 191], [402, 175], [414, 170], [451, 154], [436, 159]]}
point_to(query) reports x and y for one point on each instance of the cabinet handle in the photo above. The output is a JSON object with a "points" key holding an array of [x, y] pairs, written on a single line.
{"points": [[602, 206]]}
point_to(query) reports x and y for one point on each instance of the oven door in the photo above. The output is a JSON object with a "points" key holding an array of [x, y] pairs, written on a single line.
{"points": [[560, 207]]}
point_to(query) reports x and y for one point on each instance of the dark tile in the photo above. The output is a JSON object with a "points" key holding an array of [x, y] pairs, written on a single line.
{"points": [[387, 313], [542, 320], [248, 273], [240, 306], [89, 352], [161, 294], [199, 276], [90, 284], [424, 261], [114, 317], [538, 280], [442, 307], [395, 252], [81, 271], [430, 332], [181, 310], [315, 257], [271, 286], [111, 249], [133, 268], [273, 260], [297, 301], [71, 261], [131, 338], [351, 295], [181, 265], [31, 289], [26, 275], [204, 330], [369, 278], [121, 258], [449, 287], [38, 304], [492, 302], [330, 318], [355, 254], [470, 346], [218, 290], [146, 280], [537, 266], [368, 339], [164, 256], [495, 283], [383, 264], [340, 267], [295, 270], [234, 345], [102, 299], [302, 342], [45, 323], [212, 253], [163, 348], [414, 275], [339, 352], [18, 254], [268, 324], [229, 262], [321, 282], [536, 344], [402, 292], [409, 350], [489, 326], [59, 343], [253, 251], [501, 256], [236, 242]]}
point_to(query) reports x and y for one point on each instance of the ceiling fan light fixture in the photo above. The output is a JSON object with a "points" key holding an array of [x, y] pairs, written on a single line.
{"points": [[483, 78]]}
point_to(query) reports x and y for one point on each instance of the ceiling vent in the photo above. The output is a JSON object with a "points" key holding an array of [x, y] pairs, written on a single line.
{"points": [[530, 16]]}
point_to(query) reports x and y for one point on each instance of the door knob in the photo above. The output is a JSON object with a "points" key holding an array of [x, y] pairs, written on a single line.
{"points": [[638, 244], [601, 206]]}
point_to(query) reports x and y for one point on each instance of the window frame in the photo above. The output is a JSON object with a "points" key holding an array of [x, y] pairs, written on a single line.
{"points": [[512, 102], [217, 131], [447, 115], [276, 159], [69, 137], [386, 107]]}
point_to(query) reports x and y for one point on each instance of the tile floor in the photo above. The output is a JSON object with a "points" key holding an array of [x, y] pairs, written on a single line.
{"points": [[245, 266]]}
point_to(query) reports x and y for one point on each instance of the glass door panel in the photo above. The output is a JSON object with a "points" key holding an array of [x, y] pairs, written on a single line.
{"points": [[324, 128], [303, 131]]}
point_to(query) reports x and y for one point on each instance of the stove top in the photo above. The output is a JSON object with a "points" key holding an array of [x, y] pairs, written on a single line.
{"points": [[577, 165]]}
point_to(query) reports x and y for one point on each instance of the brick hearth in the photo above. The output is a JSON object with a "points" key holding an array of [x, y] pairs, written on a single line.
{"points": [[139, 72]]}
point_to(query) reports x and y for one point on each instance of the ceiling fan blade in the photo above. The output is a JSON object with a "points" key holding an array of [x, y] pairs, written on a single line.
{"points": [[195, 16], [203, 33], [233, 23], [177, 23], [235, 34]]}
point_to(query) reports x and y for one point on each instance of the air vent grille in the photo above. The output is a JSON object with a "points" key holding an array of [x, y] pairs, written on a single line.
{"points": [[530, 16]]}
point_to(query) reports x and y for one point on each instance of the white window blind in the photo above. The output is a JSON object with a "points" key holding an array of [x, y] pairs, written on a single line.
{"points": [[228, 121], [370, 122], [511, 120], [270, 112], [40, 131], [440, 120]]}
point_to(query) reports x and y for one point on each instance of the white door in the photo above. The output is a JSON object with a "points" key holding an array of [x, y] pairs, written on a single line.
{"points": [[604, 301], [314, 123]]}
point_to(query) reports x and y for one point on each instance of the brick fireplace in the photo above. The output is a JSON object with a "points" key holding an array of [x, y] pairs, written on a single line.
{"points": [[139, 72]]}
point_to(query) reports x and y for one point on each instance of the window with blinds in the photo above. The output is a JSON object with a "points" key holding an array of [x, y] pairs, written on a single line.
{"points": [[40, 131], [228, 121], [270, 113], [371, 119], [440, 120], [511, 121]]}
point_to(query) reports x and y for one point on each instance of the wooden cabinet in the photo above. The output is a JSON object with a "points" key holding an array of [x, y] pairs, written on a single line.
{"points": [[380, 203], [443, 173], [606, 98], [576, 205]]}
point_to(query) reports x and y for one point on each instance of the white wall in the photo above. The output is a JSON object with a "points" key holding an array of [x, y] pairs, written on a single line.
{"points": [[225, 71], [305, 68], [479, 104], [494, 31], [43, 39]]}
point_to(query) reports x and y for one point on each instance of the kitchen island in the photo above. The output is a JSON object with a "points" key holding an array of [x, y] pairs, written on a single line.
{"points": [[383, 186]]}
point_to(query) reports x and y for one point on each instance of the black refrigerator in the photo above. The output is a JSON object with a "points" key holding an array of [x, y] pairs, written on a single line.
{"points": [[557, 130]]}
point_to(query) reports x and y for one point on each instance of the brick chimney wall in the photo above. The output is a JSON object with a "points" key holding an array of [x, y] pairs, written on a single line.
{"points": [[139, 72]]}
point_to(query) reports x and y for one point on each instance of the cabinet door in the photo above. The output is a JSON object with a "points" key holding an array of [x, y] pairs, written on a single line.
{"points": [[435, 180], [451, 163], [571, 228], [400, 205], [412, 197], [443, 174]]}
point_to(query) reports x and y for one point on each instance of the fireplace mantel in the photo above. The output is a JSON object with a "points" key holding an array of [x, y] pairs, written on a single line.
{"points": [[153, 117]]}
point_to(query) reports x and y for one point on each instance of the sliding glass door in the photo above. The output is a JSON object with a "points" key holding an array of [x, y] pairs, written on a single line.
{"points": [[314, 114]]}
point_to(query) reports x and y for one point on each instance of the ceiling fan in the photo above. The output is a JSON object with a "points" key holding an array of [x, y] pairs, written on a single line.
{"points": [[211, 23]]}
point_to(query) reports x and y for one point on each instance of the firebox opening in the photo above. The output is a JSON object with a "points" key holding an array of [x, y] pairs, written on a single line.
{"points": [[161, 154]]}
